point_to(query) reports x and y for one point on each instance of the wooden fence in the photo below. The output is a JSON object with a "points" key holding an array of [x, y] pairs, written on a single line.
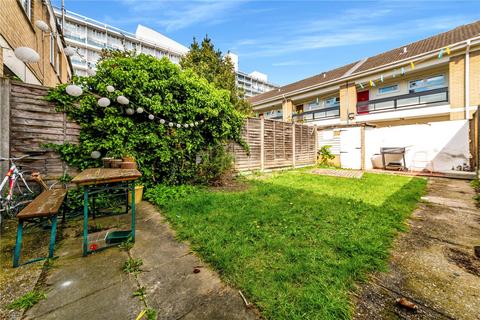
{"points": [[33, 122], [275, 144], [28, 122]]}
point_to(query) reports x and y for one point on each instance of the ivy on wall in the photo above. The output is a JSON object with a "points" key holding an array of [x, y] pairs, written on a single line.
{"points": [[164, 154]]}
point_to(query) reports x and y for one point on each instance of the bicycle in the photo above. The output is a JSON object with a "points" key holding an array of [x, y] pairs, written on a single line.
{"points": [[12, 202]]}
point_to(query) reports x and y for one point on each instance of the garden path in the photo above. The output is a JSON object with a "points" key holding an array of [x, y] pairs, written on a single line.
{"points": [[176, 282], [433, 264]]}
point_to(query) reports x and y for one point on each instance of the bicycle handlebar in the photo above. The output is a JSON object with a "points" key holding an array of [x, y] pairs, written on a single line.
{"points": [[22, 157]]}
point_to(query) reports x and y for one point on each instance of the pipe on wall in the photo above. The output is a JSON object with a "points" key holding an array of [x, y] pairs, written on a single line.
{"points": [[467, 80]]}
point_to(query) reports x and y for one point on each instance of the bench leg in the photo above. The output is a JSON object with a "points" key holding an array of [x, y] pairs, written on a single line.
{"points": [[18, 244], [53, 235], [85, 221]]}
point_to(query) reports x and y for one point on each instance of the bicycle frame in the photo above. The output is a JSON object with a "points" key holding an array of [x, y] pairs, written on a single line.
{"points": [[11, 177]]}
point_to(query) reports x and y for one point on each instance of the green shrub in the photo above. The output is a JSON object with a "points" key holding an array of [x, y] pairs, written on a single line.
{"points": [[164, 154], [215, 164], [325, 155], [162, 194]]}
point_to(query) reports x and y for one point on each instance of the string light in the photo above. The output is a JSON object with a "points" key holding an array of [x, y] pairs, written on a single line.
{"points": [[103, 102]]}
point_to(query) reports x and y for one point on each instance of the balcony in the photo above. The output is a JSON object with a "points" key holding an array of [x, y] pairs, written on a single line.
{"points": [[410, 100], [317, 114]]}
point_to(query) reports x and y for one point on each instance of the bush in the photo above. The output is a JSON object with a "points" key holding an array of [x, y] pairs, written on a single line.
{"points": [[325, 155], [164, 154]]}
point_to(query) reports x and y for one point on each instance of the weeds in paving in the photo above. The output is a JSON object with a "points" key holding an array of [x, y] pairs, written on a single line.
{"points": [[476, 186], [126, 245], [151, 314], [28, 300], [140, 293], [132, 266]]}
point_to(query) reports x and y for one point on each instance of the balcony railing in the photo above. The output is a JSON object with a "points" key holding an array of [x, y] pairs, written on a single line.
{"points": [[318, 114], [403, 101]]}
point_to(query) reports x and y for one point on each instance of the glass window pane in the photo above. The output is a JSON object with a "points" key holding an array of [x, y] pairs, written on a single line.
{"points": [[407, 102], [384, 105], [437, 97]]}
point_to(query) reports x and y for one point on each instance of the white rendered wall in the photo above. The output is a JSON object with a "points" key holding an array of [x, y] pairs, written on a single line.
{"points": [[436, 146]]}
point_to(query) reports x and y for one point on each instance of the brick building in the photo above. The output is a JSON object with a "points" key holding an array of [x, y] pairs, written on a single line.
{"points": [[19, 21]]}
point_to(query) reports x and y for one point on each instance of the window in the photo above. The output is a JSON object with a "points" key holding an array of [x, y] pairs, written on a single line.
{"points": [[332, 102], [388, 89], [321, 104], [27, 7], [426, 84], [52, 49]]}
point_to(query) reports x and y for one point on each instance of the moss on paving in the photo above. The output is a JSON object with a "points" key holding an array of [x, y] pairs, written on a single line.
{"points": [[295, 243]]}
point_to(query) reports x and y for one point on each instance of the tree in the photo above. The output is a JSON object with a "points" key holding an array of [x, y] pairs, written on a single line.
{"points": [[165, 153], [208, 62]]}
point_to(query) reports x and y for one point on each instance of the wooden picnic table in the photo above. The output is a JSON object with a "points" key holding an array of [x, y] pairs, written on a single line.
{"points": [[102, 180]]}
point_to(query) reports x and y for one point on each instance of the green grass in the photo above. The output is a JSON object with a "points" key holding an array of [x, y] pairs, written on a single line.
{"points": [[28, 300], [132, 266], [295, 243]]}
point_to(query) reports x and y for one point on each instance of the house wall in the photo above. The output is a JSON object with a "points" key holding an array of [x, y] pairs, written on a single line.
{"points": [[17, 30], [434, 146]]}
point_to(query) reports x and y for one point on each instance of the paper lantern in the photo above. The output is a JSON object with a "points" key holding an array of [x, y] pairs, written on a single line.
{"points": [[122, 100], [201, 121], [162, 121], [103, 102], [26, 54], [139, 110], [186, 125], [110, 89], [42, 25], [179, 125], [96, 154], [91, 72], [73, 90], [191, 125], [151, 117], [170, 124], [69, 51], [130, 111], [196, 123]]}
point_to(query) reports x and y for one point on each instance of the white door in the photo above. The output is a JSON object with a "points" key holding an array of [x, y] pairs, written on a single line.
{"points": [[351, 148]]}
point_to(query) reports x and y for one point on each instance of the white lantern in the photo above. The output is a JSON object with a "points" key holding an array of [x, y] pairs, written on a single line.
{"points": [[162, 121], [95, 154], [191, 125], [69, 51], [196, 123], [201, 121], [122, 100], [26, 54], [151, 117], [130, 111], [73, 90], [139, 110], [186, 125], [103, 102], [42, 25], [179, 125], [91, 72], [170, 124], [110, 89]]}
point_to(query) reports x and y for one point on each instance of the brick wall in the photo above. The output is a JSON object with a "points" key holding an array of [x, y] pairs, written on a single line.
{"points": [[19, 31], [457, 87], [475, 78]]}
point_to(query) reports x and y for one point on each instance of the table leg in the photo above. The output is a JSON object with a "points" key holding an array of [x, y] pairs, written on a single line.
{"points": [[133, 210], [85, 221], [127, 187]]}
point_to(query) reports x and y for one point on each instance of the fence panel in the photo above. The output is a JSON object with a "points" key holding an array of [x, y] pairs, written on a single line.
{"points": [[275, 144]]}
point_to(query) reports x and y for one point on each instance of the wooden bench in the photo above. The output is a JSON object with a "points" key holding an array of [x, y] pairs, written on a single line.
{"points": [[46, 205]]}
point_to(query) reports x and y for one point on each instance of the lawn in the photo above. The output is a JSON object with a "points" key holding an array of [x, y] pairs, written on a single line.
{"points": [[295, 243]]}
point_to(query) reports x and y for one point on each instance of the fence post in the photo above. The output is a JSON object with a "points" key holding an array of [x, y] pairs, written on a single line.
{"points": [[293, 144], [262, 145], [4, 122]]}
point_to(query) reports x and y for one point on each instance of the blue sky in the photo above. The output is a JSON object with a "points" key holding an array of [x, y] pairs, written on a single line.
{"points": [[288, 40]]}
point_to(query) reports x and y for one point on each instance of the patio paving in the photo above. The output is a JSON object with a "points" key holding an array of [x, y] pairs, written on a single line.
{"points": [[432, 265], [95, 287]]}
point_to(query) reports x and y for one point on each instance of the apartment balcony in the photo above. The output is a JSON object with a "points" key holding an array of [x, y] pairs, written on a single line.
{"points": [[317, 114], [428, 98]]}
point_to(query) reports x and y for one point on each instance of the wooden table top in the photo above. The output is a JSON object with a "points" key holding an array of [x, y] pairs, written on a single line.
{"points": [[105, 175]]}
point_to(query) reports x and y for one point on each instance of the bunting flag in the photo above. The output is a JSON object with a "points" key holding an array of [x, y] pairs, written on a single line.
{"points": [[447, 50], [402, 71], [394, 74], [412, 65], [381, 78], [372, 84], [361, 85], [440, 54]]}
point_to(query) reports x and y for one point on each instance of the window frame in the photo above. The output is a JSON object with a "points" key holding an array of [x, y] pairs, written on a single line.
{"points": [[26, 7], [424, 81], [397, 89], [52, 49]]}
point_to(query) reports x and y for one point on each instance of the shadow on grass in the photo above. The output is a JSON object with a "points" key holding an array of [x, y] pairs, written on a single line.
{"points": [[294, 251]]}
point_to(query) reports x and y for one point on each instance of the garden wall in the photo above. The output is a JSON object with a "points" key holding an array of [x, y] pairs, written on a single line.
{"points": [[28, 123], [275, 144]]}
